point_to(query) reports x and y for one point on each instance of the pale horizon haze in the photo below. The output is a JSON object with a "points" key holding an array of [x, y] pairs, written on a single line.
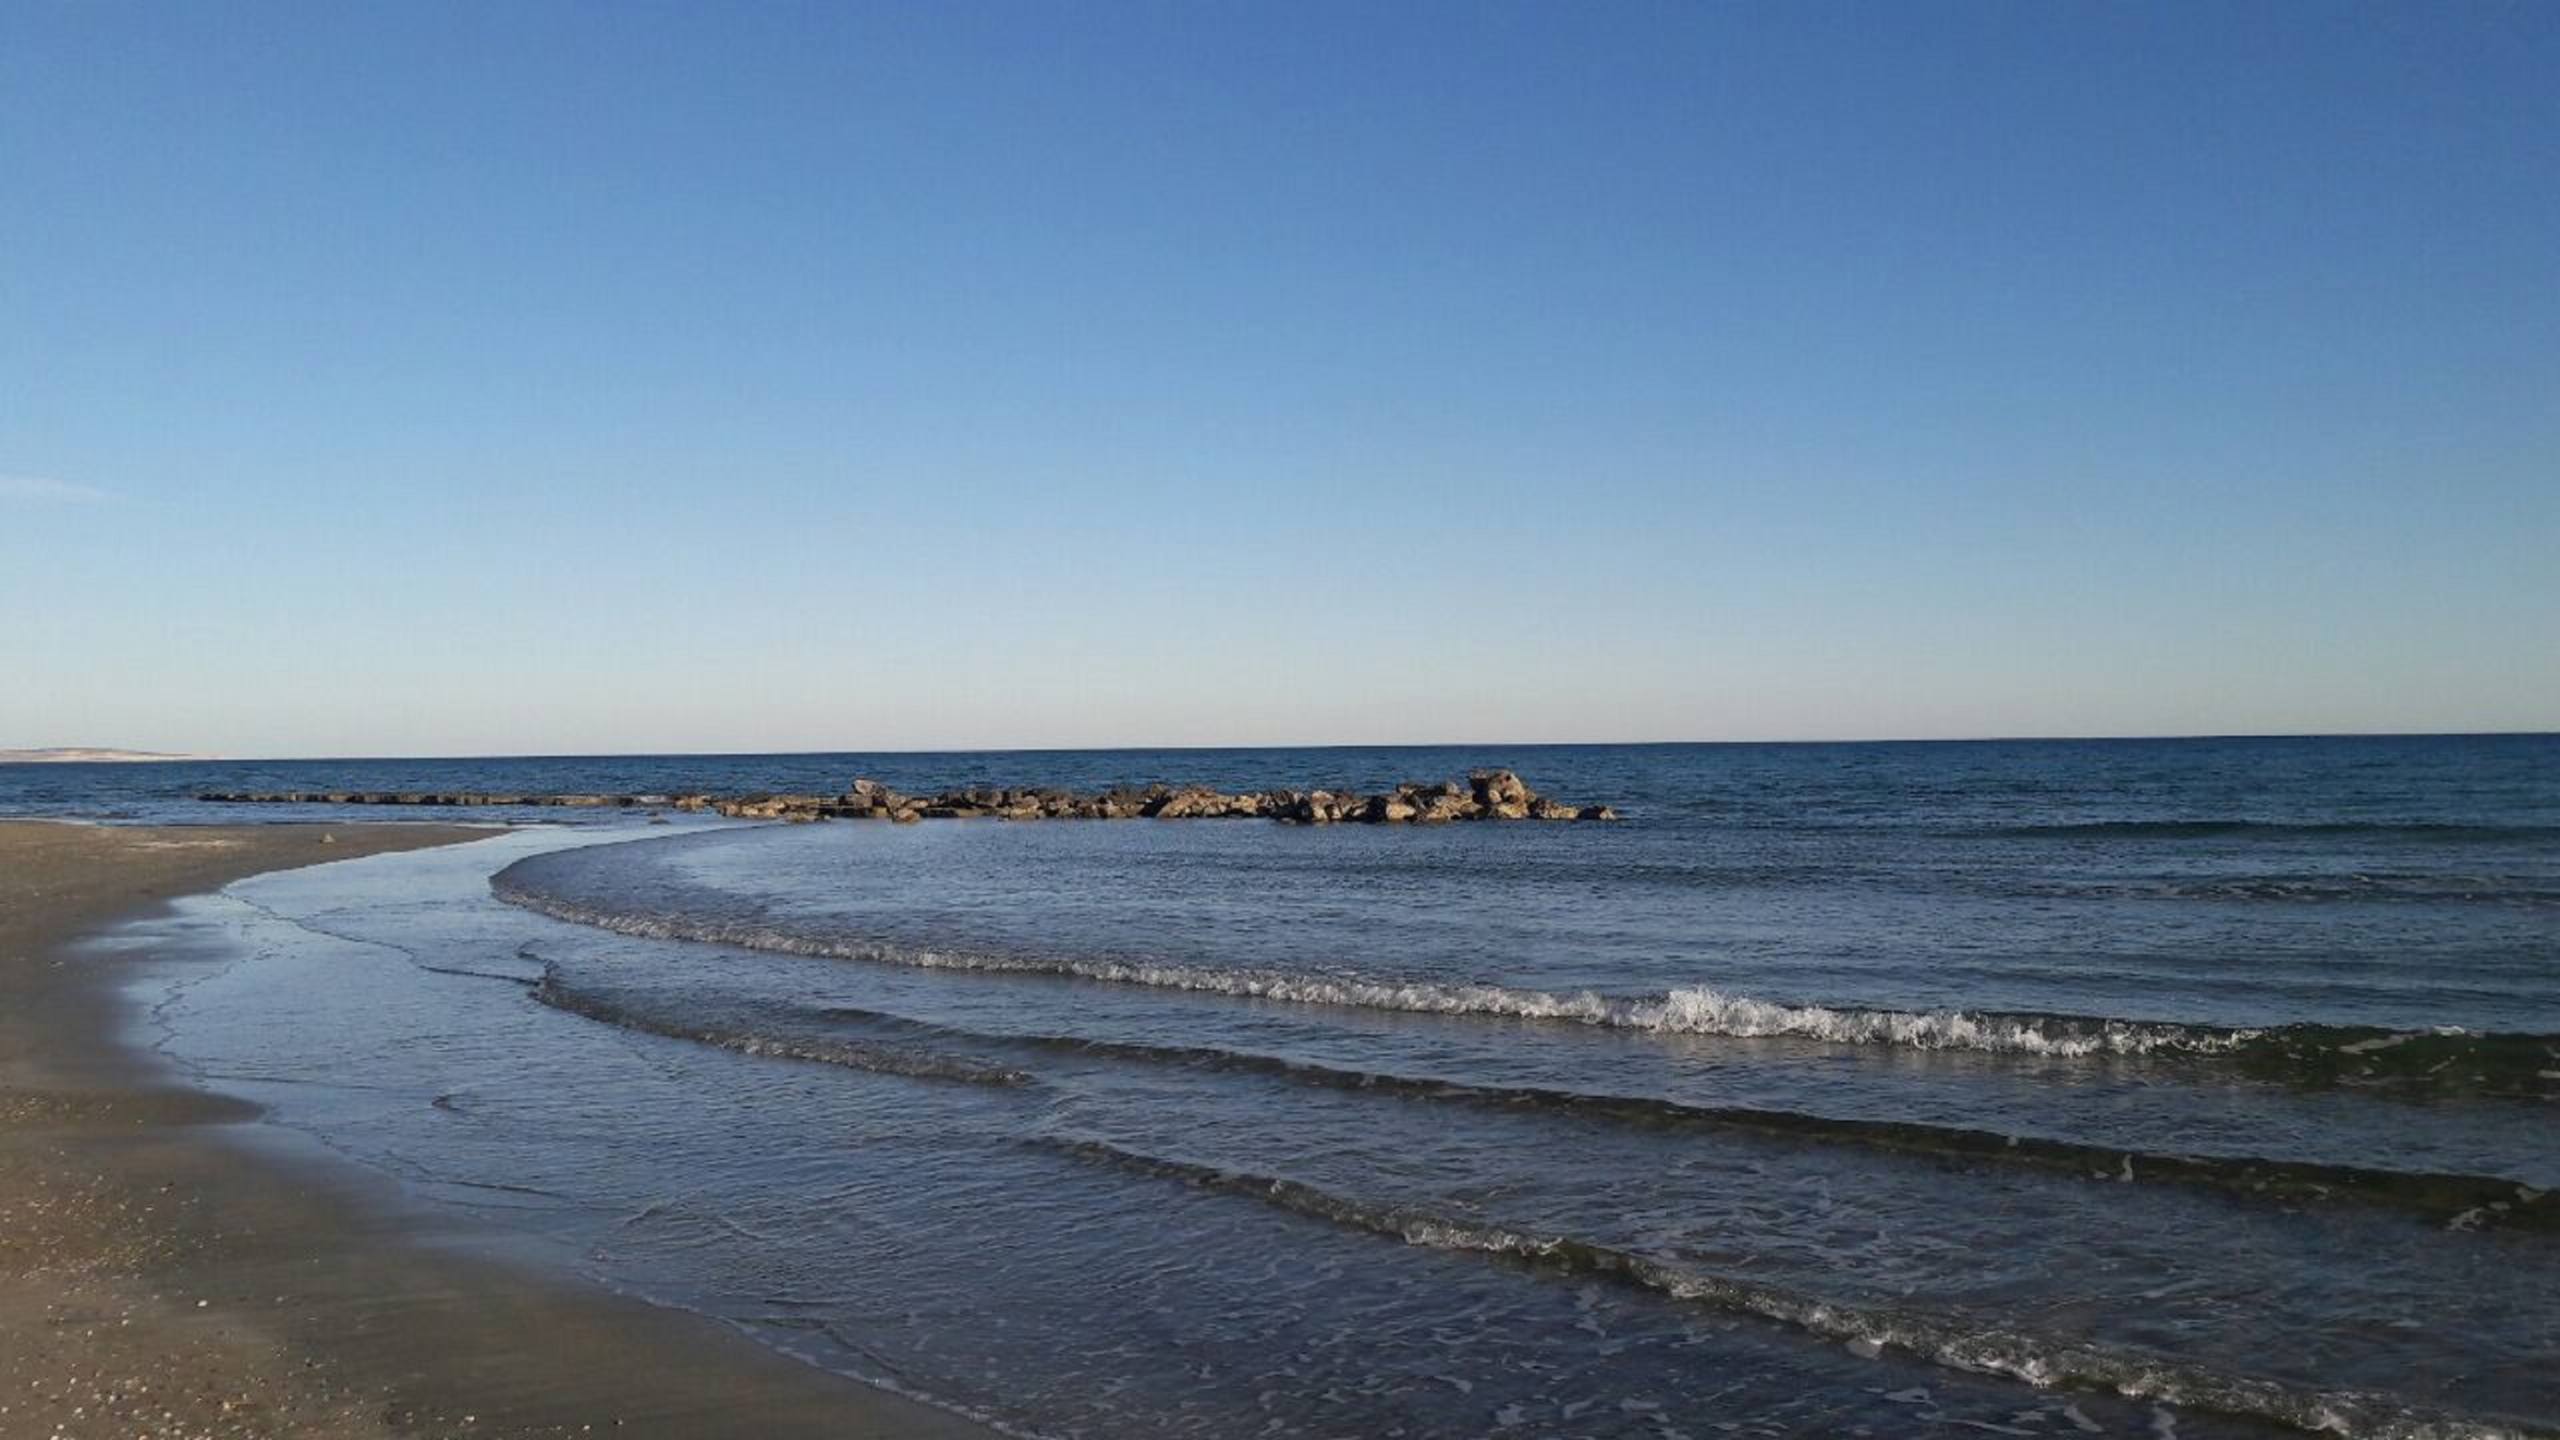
{"points": [[400, 379]]}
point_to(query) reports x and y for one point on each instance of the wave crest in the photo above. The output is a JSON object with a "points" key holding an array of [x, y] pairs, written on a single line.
{"points": [[2322, 1055], [1687, 1010]]}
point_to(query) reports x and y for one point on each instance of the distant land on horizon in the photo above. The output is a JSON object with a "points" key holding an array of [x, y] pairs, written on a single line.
{"points": [[74, 754]]}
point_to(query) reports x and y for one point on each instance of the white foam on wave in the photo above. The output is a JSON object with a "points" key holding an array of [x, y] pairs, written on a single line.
{"points": [[1688, 1010]]}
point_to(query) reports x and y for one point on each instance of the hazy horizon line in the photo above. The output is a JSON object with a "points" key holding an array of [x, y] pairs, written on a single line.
{"points": [[183, 757]]}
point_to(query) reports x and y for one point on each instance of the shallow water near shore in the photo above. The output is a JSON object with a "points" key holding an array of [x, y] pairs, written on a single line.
{"points": [[2184, 1087]]}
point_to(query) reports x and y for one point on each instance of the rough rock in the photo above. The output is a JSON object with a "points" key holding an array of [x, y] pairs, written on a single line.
{"points": [[1440, 807], [1486, 795], [1497, 789]]}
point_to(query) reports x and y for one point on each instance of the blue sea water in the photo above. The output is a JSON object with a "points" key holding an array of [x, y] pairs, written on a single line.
{"points": [[2044, 1087]]}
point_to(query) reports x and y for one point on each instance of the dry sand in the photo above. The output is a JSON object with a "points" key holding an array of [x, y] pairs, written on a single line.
{"points": [[157, 1282]]}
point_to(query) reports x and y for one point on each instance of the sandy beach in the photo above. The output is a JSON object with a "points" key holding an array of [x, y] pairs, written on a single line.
{"points": [[155, 1281]]}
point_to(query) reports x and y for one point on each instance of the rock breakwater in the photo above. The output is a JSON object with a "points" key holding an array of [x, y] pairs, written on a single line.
{"points": [[1485, 795]]}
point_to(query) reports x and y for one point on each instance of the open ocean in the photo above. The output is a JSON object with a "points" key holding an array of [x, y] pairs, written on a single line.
{"points": [[2164, 1088]]}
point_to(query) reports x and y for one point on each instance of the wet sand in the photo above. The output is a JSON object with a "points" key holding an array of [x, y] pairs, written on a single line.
{"points": [[156, 1281]]}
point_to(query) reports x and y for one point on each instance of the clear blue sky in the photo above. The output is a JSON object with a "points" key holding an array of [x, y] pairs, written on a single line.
{"points": [[468, 378]]}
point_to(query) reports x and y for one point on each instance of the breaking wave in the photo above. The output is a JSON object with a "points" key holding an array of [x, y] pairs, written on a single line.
{"points": [[1956, 1342], [2321, 1055], [2466, 1202], [2462, 1202], [1690, 1010]]}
